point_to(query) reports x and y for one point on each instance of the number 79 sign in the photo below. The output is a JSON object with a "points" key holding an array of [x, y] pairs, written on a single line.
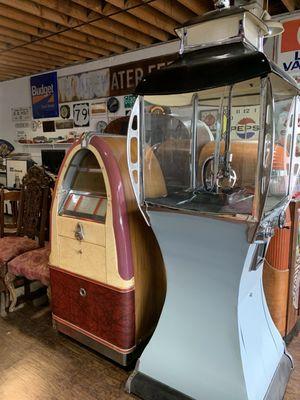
{"points": [[81, 114]]}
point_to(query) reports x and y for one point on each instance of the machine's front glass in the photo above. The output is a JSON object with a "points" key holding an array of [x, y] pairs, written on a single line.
{"points": [[284, 120], [202, 149], [84, 191]]}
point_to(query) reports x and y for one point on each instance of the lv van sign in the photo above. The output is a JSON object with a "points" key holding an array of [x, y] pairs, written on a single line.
{"points": [[44, 95]]}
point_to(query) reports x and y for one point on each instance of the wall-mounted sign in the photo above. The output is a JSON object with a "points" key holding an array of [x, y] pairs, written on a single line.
{"points": [[35, 125], [48, 126], [22, 125], [44, 95], [210, 118], [81, 114], [124, 78], [85, 86], [5, 148], [245, 122], [288, 48], [101, 125], [98, 108], [113, 104], [64, 124], [65, 111], [129, 101], [21, 114]]}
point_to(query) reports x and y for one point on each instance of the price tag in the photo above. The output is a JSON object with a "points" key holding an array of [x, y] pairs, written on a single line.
{"points": [[81, 114]]}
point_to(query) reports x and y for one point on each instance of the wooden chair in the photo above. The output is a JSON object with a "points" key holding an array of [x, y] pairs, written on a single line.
{"points": [[32, 224], [13, 197]]}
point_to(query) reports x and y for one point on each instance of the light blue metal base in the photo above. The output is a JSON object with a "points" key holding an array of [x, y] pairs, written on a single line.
{"points": [[215, 338]]}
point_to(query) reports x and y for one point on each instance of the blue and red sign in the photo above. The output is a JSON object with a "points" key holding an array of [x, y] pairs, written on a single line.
{"points": [[44, 96], [246, 128]]}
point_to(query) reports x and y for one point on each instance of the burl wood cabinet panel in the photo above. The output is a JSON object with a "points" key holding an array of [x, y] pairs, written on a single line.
{"points": [[100, 310]]}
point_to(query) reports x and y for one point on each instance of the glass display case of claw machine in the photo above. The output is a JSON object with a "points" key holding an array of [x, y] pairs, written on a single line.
{"points": [[214, 214]]}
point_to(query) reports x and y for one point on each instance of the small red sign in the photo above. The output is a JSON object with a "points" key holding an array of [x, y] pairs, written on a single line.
{"points": [[291, 36]]}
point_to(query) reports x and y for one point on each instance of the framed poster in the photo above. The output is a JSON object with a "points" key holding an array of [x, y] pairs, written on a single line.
{"points": [[81, 114], [21, 114], [44, 96], [210, 118]]}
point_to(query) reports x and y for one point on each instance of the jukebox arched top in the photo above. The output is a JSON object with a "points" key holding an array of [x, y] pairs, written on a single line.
{"points": [[233, 156]]}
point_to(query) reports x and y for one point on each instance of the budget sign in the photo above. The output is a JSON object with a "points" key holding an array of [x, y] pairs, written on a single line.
{"points": [[44, 95]]}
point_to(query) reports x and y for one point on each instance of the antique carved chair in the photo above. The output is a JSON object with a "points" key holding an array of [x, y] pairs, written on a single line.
{"points": [[32, 223], [7, 228], [13, 197]]}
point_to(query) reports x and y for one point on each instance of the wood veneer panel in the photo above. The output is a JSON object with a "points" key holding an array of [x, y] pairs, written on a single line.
{"points": [[276, 286], [103, 312]]}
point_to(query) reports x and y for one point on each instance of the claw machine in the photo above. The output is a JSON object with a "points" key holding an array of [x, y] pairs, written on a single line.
{"points": [[215, 338]]}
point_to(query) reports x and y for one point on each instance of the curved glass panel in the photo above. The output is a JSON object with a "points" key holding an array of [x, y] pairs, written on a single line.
{"points": [[284, 119], [200, 149], [84, 192]]}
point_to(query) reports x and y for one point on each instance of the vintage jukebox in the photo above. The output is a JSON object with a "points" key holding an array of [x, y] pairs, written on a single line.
{"points": [[104, 259], [215, 338]]}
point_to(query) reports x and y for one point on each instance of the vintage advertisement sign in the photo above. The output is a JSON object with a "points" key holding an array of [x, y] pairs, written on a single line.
{"points": [[124, 78], [85, 86], [81, 114], [288, 49], [108, 82], [245, 123], [44, 95]]}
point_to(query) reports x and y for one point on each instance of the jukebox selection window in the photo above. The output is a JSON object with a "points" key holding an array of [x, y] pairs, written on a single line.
{"points": [[84, 188]]}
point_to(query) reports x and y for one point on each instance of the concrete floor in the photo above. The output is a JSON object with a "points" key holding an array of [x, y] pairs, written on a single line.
{"points": [[36, 363]]}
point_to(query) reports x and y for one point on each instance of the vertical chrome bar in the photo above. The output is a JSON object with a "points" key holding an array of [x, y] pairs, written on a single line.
{"points": [[264, 171], [293, 147], [193, 162], [141, 149], [228, 131]]}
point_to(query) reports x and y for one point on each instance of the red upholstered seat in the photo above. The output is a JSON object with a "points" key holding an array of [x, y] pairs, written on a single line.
{"points": [[33, 265], [13, 246]]}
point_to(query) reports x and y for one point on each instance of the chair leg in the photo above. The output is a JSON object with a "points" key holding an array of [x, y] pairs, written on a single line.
{"points": [[9, 282], [49, 293], [7, 301], [3, 312]]}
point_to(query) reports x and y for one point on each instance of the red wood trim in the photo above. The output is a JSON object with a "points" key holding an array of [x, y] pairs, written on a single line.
{"points": [[119, 290], [78, 202], [119, 208], [68, 201], [82, 219], [98, 205], [90, 335]]}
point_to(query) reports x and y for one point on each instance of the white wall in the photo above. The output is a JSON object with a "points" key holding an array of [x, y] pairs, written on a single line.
{"points": [[16, 93]]}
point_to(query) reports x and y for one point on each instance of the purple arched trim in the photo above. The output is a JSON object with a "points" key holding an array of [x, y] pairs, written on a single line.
{"points": [[119, 210]]}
